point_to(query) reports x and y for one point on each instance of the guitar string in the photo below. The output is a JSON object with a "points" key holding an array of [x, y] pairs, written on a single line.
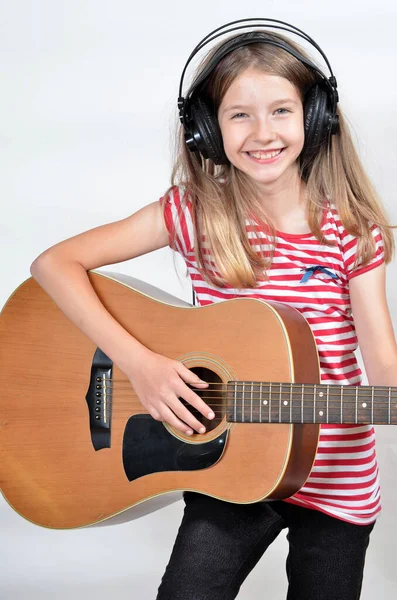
{"points": [[246, 386], [333, 410], [348, 398], [274, 402]]}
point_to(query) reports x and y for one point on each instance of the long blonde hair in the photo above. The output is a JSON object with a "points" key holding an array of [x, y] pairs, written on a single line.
{"points": [[223, 197]]}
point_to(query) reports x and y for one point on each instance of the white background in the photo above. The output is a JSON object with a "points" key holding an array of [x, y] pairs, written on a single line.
{"points": [[88, 99]]}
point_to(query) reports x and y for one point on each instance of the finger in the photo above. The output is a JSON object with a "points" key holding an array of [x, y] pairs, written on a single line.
{"points": [[185, 415], [155, 413], [198, 403], [190, 396], [170, 417], [188, 376]]}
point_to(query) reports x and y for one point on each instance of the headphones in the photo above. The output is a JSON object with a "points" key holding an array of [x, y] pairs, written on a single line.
{"points": [[200, 123]]}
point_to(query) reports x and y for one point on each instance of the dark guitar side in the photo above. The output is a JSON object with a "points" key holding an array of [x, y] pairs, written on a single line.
{"points": [[50, 472]]}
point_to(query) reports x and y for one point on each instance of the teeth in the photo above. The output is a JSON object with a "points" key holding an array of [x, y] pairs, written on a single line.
{"points": [[264, 155]]}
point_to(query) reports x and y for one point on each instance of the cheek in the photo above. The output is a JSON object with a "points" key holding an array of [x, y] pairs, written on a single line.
{"points": [[230, 139], [294, 136], [295, 130], [229, 147]]}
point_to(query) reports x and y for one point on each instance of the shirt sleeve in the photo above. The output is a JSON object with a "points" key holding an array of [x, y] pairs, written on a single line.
{"points": [[178, 220], [350, 250]]}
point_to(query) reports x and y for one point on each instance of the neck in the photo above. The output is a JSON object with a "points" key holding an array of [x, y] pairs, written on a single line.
{"points": [[285, 202], [266, 402]]}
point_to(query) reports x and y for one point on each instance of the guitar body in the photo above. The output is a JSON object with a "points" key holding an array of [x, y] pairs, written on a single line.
{"points": [[58, 470]]}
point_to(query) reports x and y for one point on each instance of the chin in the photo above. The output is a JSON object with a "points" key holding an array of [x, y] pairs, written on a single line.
{"points": [[269, 177]]}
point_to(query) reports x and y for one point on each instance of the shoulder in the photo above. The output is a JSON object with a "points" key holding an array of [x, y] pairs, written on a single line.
{"points": [[178, 216], [353, 246], [177, 196]]}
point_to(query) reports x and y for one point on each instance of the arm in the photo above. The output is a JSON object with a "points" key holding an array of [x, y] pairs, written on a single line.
{"points": [[62, 272], [374, 326]]}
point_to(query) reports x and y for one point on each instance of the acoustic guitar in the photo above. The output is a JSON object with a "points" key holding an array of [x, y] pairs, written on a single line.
{"points": [[77, 447]]}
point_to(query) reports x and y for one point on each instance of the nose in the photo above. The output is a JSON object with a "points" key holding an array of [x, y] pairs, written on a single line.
{"points": [[263, 131]]}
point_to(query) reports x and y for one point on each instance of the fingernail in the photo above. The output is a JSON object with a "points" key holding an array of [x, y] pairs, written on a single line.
{"points": [[211, 415], [202, 430], [189, 432]]}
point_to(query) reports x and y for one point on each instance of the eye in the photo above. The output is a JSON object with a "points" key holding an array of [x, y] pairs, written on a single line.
{"points": [[239, 115], [283, 111]]}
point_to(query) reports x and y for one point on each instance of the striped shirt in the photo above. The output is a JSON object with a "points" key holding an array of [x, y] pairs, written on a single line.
{"points": [[344, 481]]}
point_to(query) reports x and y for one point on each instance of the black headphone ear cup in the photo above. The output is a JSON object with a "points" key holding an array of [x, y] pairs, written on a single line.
{"points": [[206, 131], [316, 120]]}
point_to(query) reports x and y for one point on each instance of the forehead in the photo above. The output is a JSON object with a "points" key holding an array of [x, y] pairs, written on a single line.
{"points": [[253, 84]]}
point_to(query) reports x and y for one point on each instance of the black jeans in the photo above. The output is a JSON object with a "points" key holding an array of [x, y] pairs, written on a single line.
{"points": [[219, 543]]}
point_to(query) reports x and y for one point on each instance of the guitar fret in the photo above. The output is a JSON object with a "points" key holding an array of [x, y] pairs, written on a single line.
{"points": [[284, 403], [356, 402], [279, 404], [290, 402], [364, 409], [341, 404], [235, 401], [349, 405], [243, 404], [320, 409], [260, 402], [252, 387], [389, 406], [372, 405], [270, 402], [302, 403], [379, 410], [314, 403], [327, 403]]}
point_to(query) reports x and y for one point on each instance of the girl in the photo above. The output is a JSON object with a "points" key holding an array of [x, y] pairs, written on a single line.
{"points": [[268, 200]]}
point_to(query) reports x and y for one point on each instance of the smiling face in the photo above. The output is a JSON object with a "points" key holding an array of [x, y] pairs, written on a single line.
{"points": [[261, 120]]}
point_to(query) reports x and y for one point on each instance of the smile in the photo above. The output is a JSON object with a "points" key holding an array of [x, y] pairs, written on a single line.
{"points": [[264, 157]]}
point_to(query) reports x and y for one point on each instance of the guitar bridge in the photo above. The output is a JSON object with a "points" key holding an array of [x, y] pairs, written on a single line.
{"points": [[99, 400]]}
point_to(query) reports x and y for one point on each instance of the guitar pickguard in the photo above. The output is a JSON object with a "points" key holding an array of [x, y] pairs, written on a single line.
{"points": [[148, 447]]}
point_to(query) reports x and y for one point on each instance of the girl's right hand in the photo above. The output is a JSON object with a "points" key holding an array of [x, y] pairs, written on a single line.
{"points": [[159, 382]]}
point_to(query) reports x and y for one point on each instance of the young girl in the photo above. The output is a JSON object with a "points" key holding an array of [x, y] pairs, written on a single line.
{"points": [[268, 200]]}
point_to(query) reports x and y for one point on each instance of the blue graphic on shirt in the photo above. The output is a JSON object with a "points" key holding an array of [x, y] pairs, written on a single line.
{"points": [[310, 271]]}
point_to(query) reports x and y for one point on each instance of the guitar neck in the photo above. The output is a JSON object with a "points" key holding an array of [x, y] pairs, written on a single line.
{"points": [[262, 402]]}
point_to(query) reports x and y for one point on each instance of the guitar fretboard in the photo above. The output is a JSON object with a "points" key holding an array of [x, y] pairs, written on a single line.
{"points": [[261, 402]]}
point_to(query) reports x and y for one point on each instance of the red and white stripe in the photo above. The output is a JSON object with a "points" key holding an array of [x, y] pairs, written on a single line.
{"points": [[344, 481]]}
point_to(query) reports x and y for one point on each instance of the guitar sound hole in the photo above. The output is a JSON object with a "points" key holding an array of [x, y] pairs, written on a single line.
{"points": [[214, 396]]}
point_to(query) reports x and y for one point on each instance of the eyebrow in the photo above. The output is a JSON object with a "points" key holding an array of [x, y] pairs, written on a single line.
{"points": [[244, 106]]}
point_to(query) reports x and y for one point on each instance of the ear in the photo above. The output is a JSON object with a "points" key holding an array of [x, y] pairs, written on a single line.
{"points": [[206, 131], [316, 120]]}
